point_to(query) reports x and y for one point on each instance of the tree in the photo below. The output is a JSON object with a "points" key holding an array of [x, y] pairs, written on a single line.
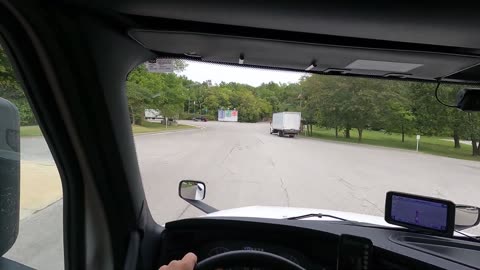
{"points": [[473, 129], [340, 102], [165, 92], [138, 100], [397, 114], [10, 89]]}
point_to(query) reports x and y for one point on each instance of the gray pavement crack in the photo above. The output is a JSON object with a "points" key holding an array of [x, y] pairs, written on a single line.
{"points": [[362, 198], [346, 183], [287, 196], [374, 205], [272, 162], [183, 211], [349, 185], [229, 153]]}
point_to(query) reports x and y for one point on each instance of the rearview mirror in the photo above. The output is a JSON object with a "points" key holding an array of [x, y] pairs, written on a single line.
{"points": [[9, 174], [466, 216], [192, 190]]}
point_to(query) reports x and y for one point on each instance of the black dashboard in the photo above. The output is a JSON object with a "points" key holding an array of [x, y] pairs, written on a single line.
{"points": [[315, 245]]}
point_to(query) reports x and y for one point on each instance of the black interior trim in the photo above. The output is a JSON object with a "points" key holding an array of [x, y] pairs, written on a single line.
{"points": [[295, 56], [38, 93], [94, 158], [163, 24]]}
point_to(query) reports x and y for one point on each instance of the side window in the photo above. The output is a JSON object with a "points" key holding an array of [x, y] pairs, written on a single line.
{"points": [[39, 243]]}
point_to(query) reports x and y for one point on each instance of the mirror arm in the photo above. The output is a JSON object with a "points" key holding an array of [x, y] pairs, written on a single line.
{"points": [[461, 228], [207, 209]]}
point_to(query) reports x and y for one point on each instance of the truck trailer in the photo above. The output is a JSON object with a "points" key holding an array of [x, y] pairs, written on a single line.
{"points": [[286, 123]]}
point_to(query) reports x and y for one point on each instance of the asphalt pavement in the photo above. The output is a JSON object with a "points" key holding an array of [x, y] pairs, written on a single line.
{"points": [[35, 149], [242, 165]]}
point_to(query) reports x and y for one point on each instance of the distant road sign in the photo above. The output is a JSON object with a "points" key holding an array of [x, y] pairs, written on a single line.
{"points": [[160, 66]]}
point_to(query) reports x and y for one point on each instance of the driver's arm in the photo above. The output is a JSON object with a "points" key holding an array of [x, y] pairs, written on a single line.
{"points": [[187, 263]]}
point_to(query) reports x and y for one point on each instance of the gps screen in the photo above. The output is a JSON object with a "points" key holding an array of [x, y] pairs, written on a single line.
{"points": [[423, 213]]}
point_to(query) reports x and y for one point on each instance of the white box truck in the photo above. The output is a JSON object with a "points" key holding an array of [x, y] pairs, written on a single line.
{"points": [[286, 123]]}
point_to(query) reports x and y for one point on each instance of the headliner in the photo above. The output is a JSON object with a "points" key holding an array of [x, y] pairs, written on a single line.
{"points": [[444, 41]]}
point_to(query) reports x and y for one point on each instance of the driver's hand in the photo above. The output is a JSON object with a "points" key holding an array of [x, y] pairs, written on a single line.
{"points": [[187, 263]]}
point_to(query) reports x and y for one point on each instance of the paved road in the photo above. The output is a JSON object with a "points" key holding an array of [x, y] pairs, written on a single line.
{"points": [[35, 149], [244, 165]]}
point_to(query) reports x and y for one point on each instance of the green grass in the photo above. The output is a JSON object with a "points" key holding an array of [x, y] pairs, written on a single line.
{"points": [[147, 127], [431, 145], [30, 131]]}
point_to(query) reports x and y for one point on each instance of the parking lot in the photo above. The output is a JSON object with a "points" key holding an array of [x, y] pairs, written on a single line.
{"points": [[243, 164]]}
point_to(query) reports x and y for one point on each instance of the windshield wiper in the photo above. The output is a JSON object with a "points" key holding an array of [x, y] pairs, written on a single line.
{"points": [[348, 222], [318, 215]]}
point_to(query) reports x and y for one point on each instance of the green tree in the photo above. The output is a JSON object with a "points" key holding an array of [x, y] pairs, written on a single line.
{"points": [[10, 89], [138, 100], [165, 92], [397, 115]]}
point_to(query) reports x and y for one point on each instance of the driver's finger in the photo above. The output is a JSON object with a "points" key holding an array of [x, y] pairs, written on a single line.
{"points": [[190, 260]]}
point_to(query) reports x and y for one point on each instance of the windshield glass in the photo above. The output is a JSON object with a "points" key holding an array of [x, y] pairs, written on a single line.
{"points": [[276, 138]]}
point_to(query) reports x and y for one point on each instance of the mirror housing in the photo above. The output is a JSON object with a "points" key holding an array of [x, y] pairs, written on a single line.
{"points": [[466, 216], [9, 174], [192, 190], [468, 100]]}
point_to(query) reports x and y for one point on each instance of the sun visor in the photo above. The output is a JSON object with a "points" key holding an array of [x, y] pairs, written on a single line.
{"points": [[317, 58]]}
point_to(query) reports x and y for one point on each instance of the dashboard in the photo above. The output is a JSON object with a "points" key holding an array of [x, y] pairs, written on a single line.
{"points": [[316, 245], [303, 249]]}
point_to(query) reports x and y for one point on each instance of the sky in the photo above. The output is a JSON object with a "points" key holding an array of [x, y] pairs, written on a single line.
{"points": [[201, 72]]}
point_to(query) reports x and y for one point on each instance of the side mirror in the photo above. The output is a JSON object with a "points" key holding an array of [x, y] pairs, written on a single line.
{"points": [[9, 174], [192, 190], [466, 216]]}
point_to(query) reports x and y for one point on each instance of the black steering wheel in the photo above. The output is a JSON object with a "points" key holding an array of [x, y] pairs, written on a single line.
{"points": [[247, 258]]}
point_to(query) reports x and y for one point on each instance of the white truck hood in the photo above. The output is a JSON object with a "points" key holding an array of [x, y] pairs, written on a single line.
{"points": [[277, 212]]}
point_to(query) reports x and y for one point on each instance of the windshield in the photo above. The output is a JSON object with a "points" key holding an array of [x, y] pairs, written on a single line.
{"points": [[276, 138]]}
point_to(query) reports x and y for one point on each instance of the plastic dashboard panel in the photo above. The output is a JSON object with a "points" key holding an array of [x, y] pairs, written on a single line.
{"points": [[450, 249], [319, 237]]}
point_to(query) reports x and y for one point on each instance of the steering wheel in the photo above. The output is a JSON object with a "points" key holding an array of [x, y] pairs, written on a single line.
{"points": [[247, 258]]}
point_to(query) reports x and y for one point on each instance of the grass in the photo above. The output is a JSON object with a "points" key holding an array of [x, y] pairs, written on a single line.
{"points": [[30, 131], [428, 144], [147, 127]]}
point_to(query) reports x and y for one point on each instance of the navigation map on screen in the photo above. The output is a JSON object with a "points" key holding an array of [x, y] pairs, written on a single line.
{"points": [[427, 214]]}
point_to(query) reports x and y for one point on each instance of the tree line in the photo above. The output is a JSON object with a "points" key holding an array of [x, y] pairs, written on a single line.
{"points": [[344, 104], [178, 97], [407, 108]]}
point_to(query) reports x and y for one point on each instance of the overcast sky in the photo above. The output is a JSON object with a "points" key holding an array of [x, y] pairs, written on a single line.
{"points": [[201, 72]]}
